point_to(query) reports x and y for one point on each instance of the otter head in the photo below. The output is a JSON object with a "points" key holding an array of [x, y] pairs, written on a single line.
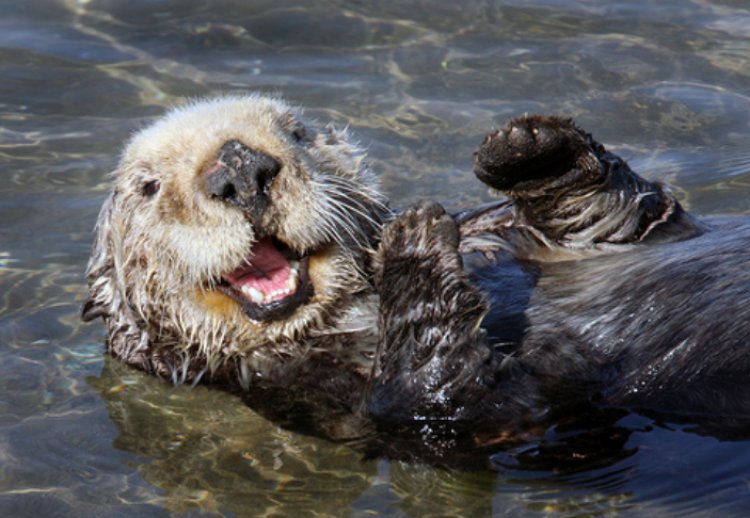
{"points": [[232, 225]]}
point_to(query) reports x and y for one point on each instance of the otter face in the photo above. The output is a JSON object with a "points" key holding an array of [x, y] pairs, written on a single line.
{"points": [[232, 225]]}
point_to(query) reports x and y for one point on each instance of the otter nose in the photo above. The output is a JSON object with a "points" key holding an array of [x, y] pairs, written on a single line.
{"points": [[242, 176]]}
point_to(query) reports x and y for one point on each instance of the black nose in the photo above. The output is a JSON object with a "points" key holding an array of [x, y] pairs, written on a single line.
{"points": [[242, 176]]}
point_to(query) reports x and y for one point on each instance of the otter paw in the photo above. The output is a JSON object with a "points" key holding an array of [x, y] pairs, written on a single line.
{"points": [[429, 316], [529, 149], [421, 234]]}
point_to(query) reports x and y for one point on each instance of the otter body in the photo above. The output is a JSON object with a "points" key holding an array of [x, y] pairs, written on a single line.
{"points": [[653, 328], [245, 248]]}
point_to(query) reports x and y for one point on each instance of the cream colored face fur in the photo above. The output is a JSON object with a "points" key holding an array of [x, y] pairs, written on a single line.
{"points": [[163, 242]]}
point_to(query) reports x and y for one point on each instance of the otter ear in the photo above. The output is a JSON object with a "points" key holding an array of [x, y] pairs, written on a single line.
{"points": [[298, 128]]}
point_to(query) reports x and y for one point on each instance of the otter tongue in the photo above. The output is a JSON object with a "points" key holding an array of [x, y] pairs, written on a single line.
{"points": [[266, 277]]}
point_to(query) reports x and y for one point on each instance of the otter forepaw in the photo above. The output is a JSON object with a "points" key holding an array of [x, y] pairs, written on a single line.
{"points": [[424, 236], [423, 288], [529, 149], [420, 277], [429, 349]]}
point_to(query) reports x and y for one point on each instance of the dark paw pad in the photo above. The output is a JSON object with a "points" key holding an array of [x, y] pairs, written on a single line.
{"points": [[529, 148]]}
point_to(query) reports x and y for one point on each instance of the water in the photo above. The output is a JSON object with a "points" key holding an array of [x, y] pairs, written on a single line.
{"points": [[666, 84]]}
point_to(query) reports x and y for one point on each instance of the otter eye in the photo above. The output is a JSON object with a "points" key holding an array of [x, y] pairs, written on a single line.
{"points": [[299, 133], [150, 188]]}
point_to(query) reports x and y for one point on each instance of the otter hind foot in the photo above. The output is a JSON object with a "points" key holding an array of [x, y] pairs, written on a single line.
{"points": [[529, 149], [567, 189]]}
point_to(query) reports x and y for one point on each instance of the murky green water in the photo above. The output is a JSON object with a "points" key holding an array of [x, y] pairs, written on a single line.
{"points": [[667, 83]]}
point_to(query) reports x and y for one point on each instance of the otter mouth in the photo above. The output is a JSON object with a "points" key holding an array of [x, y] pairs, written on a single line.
{"points": [[271, 283]]}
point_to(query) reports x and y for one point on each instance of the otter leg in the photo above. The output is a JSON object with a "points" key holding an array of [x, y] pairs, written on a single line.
{"points": [[569, 189], [431, 360]]}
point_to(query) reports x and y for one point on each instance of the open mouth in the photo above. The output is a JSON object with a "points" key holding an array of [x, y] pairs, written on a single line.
{"points": [[271, 283]]}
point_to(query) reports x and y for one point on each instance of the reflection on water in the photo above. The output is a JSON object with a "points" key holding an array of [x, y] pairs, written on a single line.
{"points": [[209, 450], [666, 84]]}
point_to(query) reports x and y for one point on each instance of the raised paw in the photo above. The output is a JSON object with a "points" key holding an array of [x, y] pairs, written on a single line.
{"points": [[570, 190], [429, 351], [528, 149], [421, 282], [421, 236]]}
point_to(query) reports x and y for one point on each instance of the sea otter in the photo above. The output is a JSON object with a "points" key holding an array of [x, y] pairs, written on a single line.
{"points": [[247, 248]]}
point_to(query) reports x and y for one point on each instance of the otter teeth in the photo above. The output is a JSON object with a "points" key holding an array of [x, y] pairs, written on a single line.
{"points": [[293, 281], [254, 294], [259, 297]]}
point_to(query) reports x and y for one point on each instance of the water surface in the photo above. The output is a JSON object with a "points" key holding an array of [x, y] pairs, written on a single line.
{"points": [[666, 84]]}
